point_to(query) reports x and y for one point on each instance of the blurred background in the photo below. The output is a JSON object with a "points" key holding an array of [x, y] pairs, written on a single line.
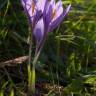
{"points": [[67, 64]]}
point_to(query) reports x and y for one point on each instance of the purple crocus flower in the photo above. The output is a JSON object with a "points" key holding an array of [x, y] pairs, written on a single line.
{"points": [[53, 15], [44, 16]]}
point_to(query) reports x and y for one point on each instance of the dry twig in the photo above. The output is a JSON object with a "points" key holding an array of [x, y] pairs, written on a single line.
{"points": [[14, 62]]}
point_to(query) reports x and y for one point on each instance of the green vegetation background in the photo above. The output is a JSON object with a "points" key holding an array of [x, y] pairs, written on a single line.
{"points": [[68, 57]]}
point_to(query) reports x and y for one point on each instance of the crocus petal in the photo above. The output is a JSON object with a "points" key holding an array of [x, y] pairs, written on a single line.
{"points": [[52, 2], [47, 15], [56, 22], [58, 12], [41, 4], [38, 31], [59, 9], [27, 4]]}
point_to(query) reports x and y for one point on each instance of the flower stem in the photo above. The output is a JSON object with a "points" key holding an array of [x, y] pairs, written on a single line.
{"points": [[31, 69]]}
